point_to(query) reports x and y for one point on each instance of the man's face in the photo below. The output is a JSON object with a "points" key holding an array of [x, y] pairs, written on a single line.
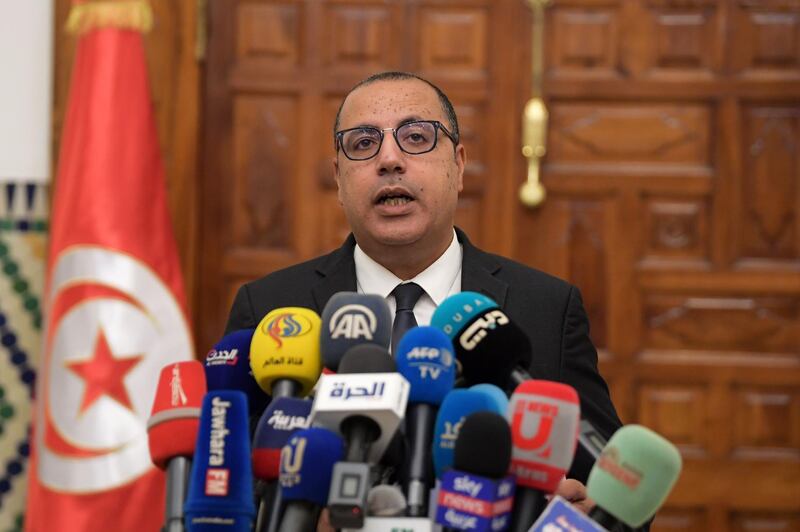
{"points": [[398, 199]]}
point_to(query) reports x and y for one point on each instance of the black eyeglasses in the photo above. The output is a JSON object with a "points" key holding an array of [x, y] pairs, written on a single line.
{"points": [[414, 138]]}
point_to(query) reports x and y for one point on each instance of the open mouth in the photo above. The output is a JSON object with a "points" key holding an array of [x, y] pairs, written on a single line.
{"points": [[394, 200]]}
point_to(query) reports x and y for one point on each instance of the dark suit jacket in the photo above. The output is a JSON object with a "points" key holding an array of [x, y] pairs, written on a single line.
{"points": [[548, 309]]}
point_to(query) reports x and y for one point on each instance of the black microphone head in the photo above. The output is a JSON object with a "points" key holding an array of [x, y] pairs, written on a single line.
{"points": [[350, 319], [367, 358], [483, 446], [487, 343]]}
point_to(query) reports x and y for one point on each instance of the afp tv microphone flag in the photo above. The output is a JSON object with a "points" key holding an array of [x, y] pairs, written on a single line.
{"points": [[114, 297]]}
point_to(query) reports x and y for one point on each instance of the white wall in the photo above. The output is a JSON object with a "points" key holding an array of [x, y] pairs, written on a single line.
{"points": [[26, 74]]}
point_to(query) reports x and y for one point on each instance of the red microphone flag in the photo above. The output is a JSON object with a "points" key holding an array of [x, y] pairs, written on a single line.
{"points": [[115, 308]]}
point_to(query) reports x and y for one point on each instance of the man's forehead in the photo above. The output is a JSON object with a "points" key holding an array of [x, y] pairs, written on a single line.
{"points": [[390, 102]]}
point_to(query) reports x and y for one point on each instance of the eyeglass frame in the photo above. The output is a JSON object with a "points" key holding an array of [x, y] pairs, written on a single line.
{"points": [[436, 125]]}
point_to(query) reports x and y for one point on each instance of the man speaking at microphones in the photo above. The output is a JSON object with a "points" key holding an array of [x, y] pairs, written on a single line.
{"points": [[399, 167]]}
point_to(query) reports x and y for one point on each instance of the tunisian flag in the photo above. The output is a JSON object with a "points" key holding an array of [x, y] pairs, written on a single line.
{"points": [[115, 300]]}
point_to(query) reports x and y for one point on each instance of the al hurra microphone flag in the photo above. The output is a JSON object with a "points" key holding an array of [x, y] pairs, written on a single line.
{"points": [[115, 309]]}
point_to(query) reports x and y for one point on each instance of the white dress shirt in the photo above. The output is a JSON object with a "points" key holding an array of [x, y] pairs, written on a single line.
{"points": [[439, 280]]}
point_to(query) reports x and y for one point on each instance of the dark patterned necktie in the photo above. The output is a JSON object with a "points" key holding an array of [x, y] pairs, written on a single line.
{"points": [[406, 296]]}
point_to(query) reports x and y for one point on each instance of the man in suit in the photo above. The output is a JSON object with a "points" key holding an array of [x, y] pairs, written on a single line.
{"points": [[399, 168]]}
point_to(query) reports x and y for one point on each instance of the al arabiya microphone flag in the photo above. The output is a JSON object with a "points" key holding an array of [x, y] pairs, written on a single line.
{"points": [[115, 308]]}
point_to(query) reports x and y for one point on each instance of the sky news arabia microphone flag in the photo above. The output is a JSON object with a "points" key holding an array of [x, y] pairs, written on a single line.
{"points": [[115, 308]]}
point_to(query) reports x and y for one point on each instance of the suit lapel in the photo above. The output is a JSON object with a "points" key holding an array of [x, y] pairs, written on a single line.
{"points": [[338, 274], [477, 271]]}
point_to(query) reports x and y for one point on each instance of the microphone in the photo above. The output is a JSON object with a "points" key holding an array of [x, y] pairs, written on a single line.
{"points": [[172, 431], [306, 468], [364, 402], [544, 420], [498, 395], [477, 494], [350, 319], [227, 367], [489, 345], [282, 418], [221, 485], [457, 405], [632, 477], [284, 352], [425, 358]]}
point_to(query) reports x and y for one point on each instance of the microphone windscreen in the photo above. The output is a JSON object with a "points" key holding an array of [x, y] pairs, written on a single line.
{"points": [[384, 500], [544, 418], [282, 418], [495, 393], [367, 358], [425, 358], [228, 368], [634, 474], [307, 462], [221, 480], [285, 345], [175, 416], [350, 319], [483, 446], [488, 344], [457, 405]]}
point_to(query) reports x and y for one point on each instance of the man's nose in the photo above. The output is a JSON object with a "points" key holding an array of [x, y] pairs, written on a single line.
{"points": [[390, 158]]}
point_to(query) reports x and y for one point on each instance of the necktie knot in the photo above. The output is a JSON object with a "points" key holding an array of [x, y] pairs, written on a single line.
{"points": [[406, 295]]}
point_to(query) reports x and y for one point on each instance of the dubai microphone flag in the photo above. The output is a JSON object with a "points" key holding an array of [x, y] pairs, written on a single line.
{"points": [[115, 309]]}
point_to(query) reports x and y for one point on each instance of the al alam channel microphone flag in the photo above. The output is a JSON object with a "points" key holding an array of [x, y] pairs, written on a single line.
{"points": [[115, 306]]}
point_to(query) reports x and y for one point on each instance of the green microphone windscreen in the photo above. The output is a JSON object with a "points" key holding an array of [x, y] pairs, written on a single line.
{"points": [[634, 474]]}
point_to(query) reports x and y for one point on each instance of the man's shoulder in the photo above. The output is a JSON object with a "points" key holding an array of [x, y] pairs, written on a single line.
{"points": [[303, 273], [520, 276]]}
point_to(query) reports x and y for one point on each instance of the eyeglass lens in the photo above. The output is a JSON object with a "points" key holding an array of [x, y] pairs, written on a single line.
{"points": [[413, 138]]}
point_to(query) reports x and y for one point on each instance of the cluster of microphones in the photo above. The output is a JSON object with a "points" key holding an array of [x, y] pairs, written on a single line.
{"points": [[307, 413]]}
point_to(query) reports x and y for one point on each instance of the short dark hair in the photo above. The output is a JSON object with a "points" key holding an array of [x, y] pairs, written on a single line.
{"points": [[447, 106]]}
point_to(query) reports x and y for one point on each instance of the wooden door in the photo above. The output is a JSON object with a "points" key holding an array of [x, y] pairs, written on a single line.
{"points": [[673, 180]]}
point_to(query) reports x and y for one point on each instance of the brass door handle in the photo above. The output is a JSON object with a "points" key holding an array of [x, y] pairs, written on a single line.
{"points": [[534, 146]]}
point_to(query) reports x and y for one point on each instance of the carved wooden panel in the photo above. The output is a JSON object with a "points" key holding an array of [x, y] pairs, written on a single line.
{"points": [[453, 41], [265, 145], [769, 39], [676, 230], [681, 519], [652, 135], [677, 412], [769, 226], [767, 421], [764, 522], [738, 324], [362, 36], [583, 41], [269, 34]]}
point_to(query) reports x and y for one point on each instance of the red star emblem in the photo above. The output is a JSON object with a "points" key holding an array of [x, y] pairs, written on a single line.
{"points": [[104, 374]]}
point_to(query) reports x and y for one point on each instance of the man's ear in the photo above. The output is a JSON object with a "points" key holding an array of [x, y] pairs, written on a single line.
{"points": [[336, 178], [461, 162]]}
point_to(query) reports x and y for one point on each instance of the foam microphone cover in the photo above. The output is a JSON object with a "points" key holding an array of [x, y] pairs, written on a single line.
{"points": [[350, 319], [457, 405], [282, 418], [285, 346], [386, 500], [307, 462], [634, 475], [483, 446], [486, 341], [228, 368], [220, 491], [544, 418], [425, 358], [367, 358], [175, 416], [495, 393]]}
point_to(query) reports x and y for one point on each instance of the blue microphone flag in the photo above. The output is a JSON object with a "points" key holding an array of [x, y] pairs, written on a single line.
{"points": [[425, 357], [307, 462]]}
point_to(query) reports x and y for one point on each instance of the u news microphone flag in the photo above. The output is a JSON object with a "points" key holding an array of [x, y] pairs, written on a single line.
{"points": [[115, 309]]}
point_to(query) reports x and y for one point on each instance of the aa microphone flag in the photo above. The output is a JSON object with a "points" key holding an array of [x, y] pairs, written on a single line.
{"points": [[115, 308]]}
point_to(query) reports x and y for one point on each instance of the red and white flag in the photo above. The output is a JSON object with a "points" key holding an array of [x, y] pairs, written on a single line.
{"points": [[115, 309]]}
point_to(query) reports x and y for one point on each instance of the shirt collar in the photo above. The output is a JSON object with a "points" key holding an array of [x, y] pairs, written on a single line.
{"points": [[436, 279]]}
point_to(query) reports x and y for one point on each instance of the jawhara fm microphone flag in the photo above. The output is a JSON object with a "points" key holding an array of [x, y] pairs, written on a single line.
{"points": [[115, 307]]}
